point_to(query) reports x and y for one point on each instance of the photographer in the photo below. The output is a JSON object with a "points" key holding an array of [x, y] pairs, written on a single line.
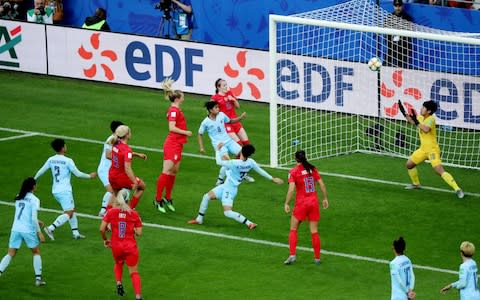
{"points": [[40, 14], [9, 10], [181, 13]]}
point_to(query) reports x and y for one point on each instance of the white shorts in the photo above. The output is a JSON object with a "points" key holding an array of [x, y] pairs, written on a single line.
{"points": [[16, 238], [66, 200], [226, 193]]}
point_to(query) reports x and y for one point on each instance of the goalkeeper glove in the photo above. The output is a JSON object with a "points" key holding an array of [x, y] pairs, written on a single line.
{"points": [[402, 109], [414, 117]]}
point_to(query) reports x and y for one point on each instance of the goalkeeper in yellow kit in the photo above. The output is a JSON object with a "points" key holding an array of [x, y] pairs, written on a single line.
{"points": [[429, 148]]}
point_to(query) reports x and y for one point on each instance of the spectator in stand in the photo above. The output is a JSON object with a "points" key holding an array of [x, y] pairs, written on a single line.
{"points": [[461, 3], [98, 21], [40, 13], [10, 10], [399, 48]]}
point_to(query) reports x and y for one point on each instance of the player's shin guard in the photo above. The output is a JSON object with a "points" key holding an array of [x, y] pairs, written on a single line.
{"points": [[316, 245], [37, 266], [292, 241], [161, 184], [169, 186], [4, 263], [136, 283], [118, 271], [134, 201], [448, 178], [222, 173], [413, 173]]}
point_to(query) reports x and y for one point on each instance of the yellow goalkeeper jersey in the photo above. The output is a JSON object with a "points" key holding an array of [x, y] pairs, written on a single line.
{"points": [[428, 140]]}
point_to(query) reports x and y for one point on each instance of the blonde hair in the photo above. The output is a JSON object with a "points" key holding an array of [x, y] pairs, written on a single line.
{"points": [[467, 248], [121, 199], [170, 93]]}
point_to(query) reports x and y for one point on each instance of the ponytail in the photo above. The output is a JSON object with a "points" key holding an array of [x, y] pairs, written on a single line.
{"points": [[27, 186], [301, 157], [170, 93], [121, 198]]}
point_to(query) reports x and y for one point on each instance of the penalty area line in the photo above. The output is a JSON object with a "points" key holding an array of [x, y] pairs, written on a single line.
{"points": [[250, 240]]}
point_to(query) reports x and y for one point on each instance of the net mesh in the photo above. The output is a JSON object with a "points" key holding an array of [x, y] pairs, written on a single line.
{"points": [[330, 103]]}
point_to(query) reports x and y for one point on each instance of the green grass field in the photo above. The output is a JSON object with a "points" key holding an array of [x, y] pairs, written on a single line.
{"points": [[220, 259]]}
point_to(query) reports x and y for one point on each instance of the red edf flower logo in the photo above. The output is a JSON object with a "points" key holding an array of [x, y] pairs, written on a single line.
{"points": [[234, 73], [88, 55], [397, 78]]}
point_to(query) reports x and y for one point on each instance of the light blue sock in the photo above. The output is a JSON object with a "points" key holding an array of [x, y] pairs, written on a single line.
{"points": [[37, 266], [4, 263], [203, 208], [74, 224], [61, 219], [236, 216]]}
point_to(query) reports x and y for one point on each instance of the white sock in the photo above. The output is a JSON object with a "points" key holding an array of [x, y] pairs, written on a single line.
{"points": [[4, 263], [74, 224], [203, 208], [236, 216], [37, 266], [61, 219]]}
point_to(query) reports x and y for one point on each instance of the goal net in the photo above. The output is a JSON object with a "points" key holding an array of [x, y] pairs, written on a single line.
{"points": [[325, 100]]}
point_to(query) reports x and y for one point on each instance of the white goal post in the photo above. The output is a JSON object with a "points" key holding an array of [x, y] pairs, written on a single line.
{"points": [[325, 100]]}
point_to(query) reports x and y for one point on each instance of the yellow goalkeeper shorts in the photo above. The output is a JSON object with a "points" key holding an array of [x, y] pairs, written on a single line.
{"points": [[433, 155]]}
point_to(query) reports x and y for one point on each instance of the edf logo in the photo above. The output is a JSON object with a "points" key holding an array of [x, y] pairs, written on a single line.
{"points": [[12, 39]]}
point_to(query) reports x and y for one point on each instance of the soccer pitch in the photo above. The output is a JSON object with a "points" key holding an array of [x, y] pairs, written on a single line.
{"points": [[220, 259]]}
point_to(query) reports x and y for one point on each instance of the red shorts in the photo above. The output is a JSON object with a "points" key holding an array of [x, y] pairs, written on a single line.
{"points": [[123, 182], [307, 210], [173, 152], [127, 253], [235, 127]]}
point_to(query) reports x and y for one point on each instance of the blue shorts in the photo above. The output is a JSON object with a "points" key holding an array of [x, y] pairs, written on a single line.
{"points": [[16, 238], [66, 200], [226, 193], [231, 147]]}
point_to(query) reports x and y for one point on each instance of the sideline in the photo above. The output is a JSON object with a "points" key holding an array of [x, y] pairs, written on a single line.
{"points": [[250, 240], [359, 178]]}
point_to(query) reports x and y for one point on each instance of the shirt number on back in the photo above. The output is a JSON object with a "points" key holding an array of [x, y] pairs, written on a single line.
{"points": [[309, 184], [56, 173], [122, 229], [407, 276], [22, 207]]}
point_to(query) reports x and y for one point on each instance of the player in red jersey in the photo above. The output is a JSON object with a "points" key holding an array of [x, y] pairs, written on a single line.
{"points": [[228, 104], [172, 147], [303, 178], [121, 175], [125, 224]]}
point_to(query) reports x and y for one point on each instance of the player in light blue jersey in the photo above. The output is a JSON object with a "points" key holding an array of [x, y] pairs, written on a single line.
{"points": [[25, 228], [214, 125], [401, 273], [104, 167], [467, 282], [236, 170], [62, 168]]}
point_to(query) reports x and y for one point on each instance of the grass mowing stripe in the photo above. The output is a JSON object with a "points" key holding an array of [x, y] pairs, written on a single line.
{"points": [[359, 178], [249, 240]]}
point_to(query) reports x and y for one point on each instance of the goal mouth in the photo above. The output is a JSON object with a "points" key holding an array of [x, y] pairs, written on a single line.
{"points": [[326, 100]]}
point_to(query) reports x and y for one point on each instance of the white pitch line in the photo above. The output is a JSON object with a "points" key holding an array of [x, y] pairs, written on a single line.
{"points": [[250, 240], [359, 178], [17, 137]]}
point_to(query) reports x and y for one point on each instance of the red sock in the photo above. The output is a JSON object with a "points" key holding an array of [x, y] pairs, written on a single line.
{"points": [[137, 283], [118, 270], [316, 244], [134, 202], [161, 183], [169, 187], [246, 142], [292, 241]]}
